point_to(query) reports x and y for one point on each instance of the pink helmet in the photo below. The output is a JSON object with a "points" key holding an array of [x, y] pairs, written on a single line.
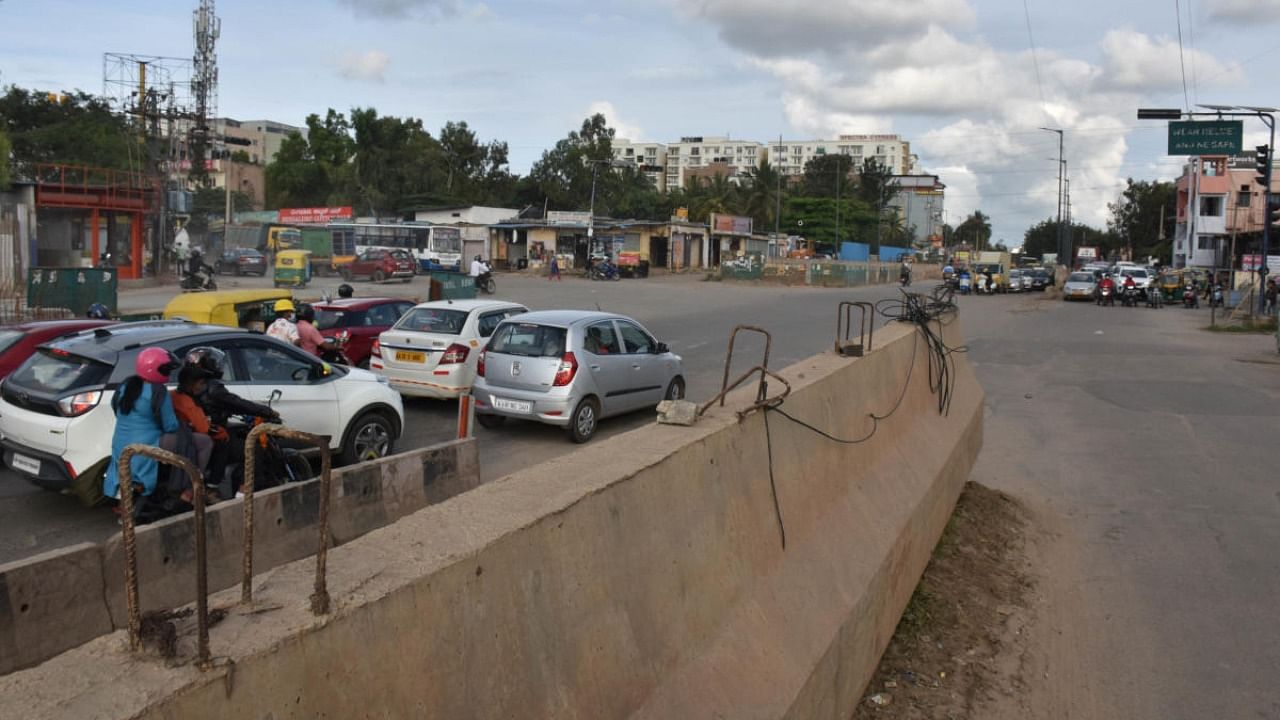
{"points": [[155, 364]]}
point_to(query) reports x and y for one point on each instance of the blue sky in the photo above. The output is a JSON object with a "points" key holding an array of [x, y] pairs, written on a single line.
{"points": [[956, 77]]}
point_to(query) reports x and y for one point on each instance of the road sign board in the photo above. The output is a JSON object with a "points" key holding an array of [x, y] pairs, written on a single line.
{"points": [[1210, 137]]}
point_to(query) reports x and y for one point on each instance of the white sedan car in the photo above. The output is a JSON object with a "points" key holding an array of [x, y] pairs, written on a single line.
{"points": [[431, 351]]}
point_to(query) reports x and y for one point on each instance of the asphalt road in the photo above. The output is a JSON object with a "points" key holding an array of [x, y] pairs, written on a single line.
{"points": [[691, 315]]}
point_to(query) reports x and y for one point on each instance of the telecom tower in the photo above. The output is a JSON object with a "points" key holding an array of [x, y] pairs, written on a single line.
{"points": [[204, 86]]}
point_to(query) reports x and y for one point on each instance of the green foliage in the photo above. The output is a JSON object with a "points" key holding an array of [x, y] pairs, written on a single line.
{"points": [[1042, 238], [4, 159], [876, 186], [1135, 220], [815, 219], [213, 201], [75, 128], [975, 230], [241, 156]]}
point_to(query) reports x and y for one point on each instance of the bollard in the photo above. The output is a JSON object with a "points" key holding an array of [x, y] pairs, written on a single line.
{"points": [[131, 549], [466, 416], [321, 597]]}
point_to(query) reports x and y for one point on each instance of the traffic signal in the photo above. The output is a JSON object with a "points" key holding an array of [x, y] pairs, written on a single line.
{"points": [[1264, 164], [1273, 213]]}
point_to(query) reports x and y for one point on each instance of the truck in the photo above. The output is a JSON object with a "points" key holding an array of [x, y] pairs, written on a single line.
{"points": [[999, 263], [318, 240], [269, 238]]}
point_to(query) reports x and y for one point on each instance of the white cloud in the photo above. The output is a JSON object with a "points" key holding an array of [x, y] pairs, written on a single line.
{"points": [[1134, 61], [770, 28], [623, 129], [370, 65], [416, 9], [1245, 12]]}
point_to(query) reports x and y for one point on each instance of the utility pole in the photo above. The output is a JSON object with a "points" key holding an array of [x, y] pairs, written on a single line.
{"points": [[1062, 254], [838, 199], [777, 213]]}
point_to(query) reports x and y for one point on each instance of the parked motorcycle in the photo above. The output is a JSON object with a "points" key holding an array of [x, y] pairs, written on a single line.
{"points": [[604, 270], [201, 280]]}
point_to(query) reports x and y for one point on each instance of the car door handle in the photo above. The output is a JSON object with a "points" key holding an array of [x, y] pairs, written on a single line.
{"points": [[595, 367]]}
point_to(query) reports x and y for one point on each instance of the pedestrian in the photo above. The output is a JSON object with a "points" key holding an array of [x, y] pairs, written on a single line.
{"points": [[554, 274], [1271, 296]]}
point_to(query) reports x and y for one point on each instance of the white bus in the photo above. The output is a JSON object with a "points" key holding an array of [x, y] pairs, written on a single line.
{"points": [[434, 247]]}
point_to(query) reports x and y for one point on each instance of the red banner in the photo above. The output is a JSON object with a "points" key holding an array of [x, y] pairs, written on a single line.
{"points": [[315, 215]]}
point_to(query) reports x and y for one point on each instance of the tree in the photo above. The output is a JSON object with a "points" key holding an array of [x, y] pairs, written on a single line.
{"points": [[975, 230], [876, 184], [820, 174], [213, 201], [563, 176], [1138, 217], [4, 160], [761, 192], [75, 128], [1042, 237]]}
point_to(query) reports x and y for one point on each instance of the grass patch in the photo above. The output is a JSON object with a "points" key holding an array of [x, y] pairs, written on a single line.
{"points": [[1247, 325]]}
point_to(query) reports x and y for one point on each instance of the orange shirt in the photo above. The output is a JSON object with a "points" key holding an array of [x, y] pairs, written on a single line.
{"points": [[189, 412]]}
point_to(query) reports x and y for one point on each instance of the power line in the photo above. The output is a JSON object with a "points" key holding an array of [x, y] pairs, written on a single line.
{"points": [[1177, 11], [1191, 31], [1035, 58]]}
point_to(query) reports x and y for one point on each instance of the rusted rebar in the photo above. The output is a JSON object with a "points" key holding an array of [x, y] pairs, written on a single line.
{"points": [[728, 361], [320, 598], [761, 402], [844, 328], [125, 469], [251, 442]]}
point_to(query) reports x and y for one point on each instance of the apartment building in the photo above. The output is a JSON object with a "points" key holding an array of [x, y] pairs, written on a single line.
{"points": [[651, 158], [695, 152], [790, 156], [1218, 199]]}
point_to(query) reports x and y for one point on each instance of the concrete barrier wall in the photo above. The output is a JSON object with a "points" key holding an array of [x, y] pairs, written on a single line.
{"points": [[56, 601], [642, 576]]}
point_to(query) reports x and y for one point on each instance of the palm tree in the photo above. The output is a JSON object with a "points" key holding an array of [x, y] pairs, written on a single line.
{"points": [[763, 195]]}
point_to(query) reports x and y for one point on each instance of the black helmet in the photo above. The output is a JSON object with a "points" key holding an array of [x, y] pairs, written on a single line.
{"points": [[208, 359], [307, 312], [98, 311], [345, 291]]}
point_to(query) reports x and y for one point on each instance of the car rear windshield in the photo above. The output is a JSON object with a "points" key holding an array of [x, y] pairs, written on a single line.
{"points": [[433, 320], [528, 339], [1081, 277], [400, 255], [9, 338], [54, 372], [329, 319]]}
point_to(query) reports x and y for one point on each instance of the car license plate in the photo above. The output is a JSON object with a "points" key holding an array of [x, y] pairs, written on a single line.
{"points": [[26, 464], [520, 406], [405, 356]]}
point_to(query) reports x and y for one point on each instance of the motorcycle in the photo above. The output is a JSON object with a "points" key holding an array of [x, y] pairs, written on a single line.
{"points": [[1130, 297], [1106, 296], [200, 280], [1190, 299], [275, 465], [965, 283], [332, 350], [486, 284], [1155, 298], [1216, 297], [603, 271], [904, 279]]}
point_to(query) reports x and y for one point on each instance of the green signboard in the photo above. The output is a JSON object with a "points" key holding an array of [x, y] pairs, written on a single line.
{"points": [[1211, 137]]}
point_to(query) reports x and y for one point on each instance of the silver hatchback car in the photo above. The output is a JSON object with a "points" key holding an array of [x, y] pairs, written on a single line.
{"points": [[571, 368]]}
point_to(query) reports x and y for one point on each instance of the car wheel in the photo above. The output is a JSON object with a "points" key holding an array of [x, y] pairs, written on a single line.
{"points": [[675, 389], [490, 421], [582, 424], [300, 468], [369, 438], [379, 276]]}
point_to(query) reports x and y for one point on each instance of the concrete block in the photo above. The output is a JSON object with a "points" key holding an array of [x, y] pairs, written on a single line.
{"points": [[50, 603], [677, 412]]}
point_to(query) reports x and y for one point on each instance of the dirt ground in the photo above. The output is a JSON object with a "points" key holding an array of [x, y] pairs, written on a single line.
{"points": [[961, 644]]}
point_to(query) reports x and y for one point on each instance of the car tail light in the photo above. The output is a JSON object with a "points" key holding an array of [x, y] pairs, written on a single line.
{"points": [[480, 364], [376, 350], [455, 354], [568, 368], [80, 403]]}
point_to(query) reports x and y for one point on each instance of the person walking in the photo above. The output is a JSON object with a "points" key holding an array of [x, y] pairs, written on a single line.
{"points": [[1271, 296], [554, 273]]}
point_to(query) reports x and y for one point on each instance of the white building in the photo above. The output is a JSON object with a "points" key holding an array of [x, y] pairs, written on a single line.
{"points": [[651, 158], [692, 153], [790, 156]]}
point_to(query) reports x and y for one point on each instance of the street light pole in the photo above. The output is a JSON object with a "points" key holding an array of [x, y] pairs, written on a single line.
{"points": [[1062, 256]]}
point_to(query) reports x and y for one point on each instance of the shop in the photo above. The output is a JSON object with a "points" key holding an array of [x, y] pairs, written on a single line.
{"points": [[730, 239]]}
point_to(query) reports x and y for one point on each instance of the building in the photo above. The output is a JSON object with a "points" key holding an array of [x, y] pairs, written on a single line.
{"points": [[921, 203], [473, 221], [650, 158], [1219, 201], [790, 156], [692, 153], [265, 136]]}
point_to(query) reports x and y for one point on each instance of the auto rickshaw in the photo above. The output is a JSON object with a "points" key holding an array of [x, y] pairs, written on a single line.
{"points": [[1170, 284], [293, 268], [250, 309]]}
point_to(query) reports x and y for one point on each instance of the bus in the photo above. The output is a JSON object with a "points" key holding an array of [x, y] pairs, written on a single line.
{"points": [[434, 247]]}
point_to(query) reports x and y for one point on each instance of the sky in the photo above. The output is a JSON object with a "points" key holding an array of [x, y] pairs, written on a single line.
{"points": [[967, 82]]}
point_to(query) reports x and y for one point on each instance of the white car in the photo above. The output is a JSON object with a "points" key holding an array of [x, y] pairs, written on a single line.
{"points": [[432, 350], [56, 420]]}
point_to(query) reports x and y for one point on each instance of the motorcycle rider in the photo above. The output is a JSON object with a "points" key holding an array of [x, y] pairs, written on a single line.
{"points": [[220, 404], [1107, 286], [98, 311], [284, 328], [479, 271], [904, 275], [309, 338]]}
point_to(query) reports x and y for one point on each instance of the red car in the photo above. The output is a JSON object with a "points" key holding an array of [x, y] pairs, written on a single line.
{"points": [[19, 342], [379, 264], [361, 321]]}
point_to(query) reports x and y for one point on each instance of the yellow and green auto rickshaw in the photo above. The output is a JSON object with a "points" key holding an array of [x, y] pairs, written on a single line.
{"points": [[251, 309], [293, 268]]}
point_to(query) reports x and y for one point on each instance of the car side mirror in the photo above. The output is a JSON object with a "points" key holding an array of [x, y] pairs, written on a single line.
{"points": [[662, 348]]}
